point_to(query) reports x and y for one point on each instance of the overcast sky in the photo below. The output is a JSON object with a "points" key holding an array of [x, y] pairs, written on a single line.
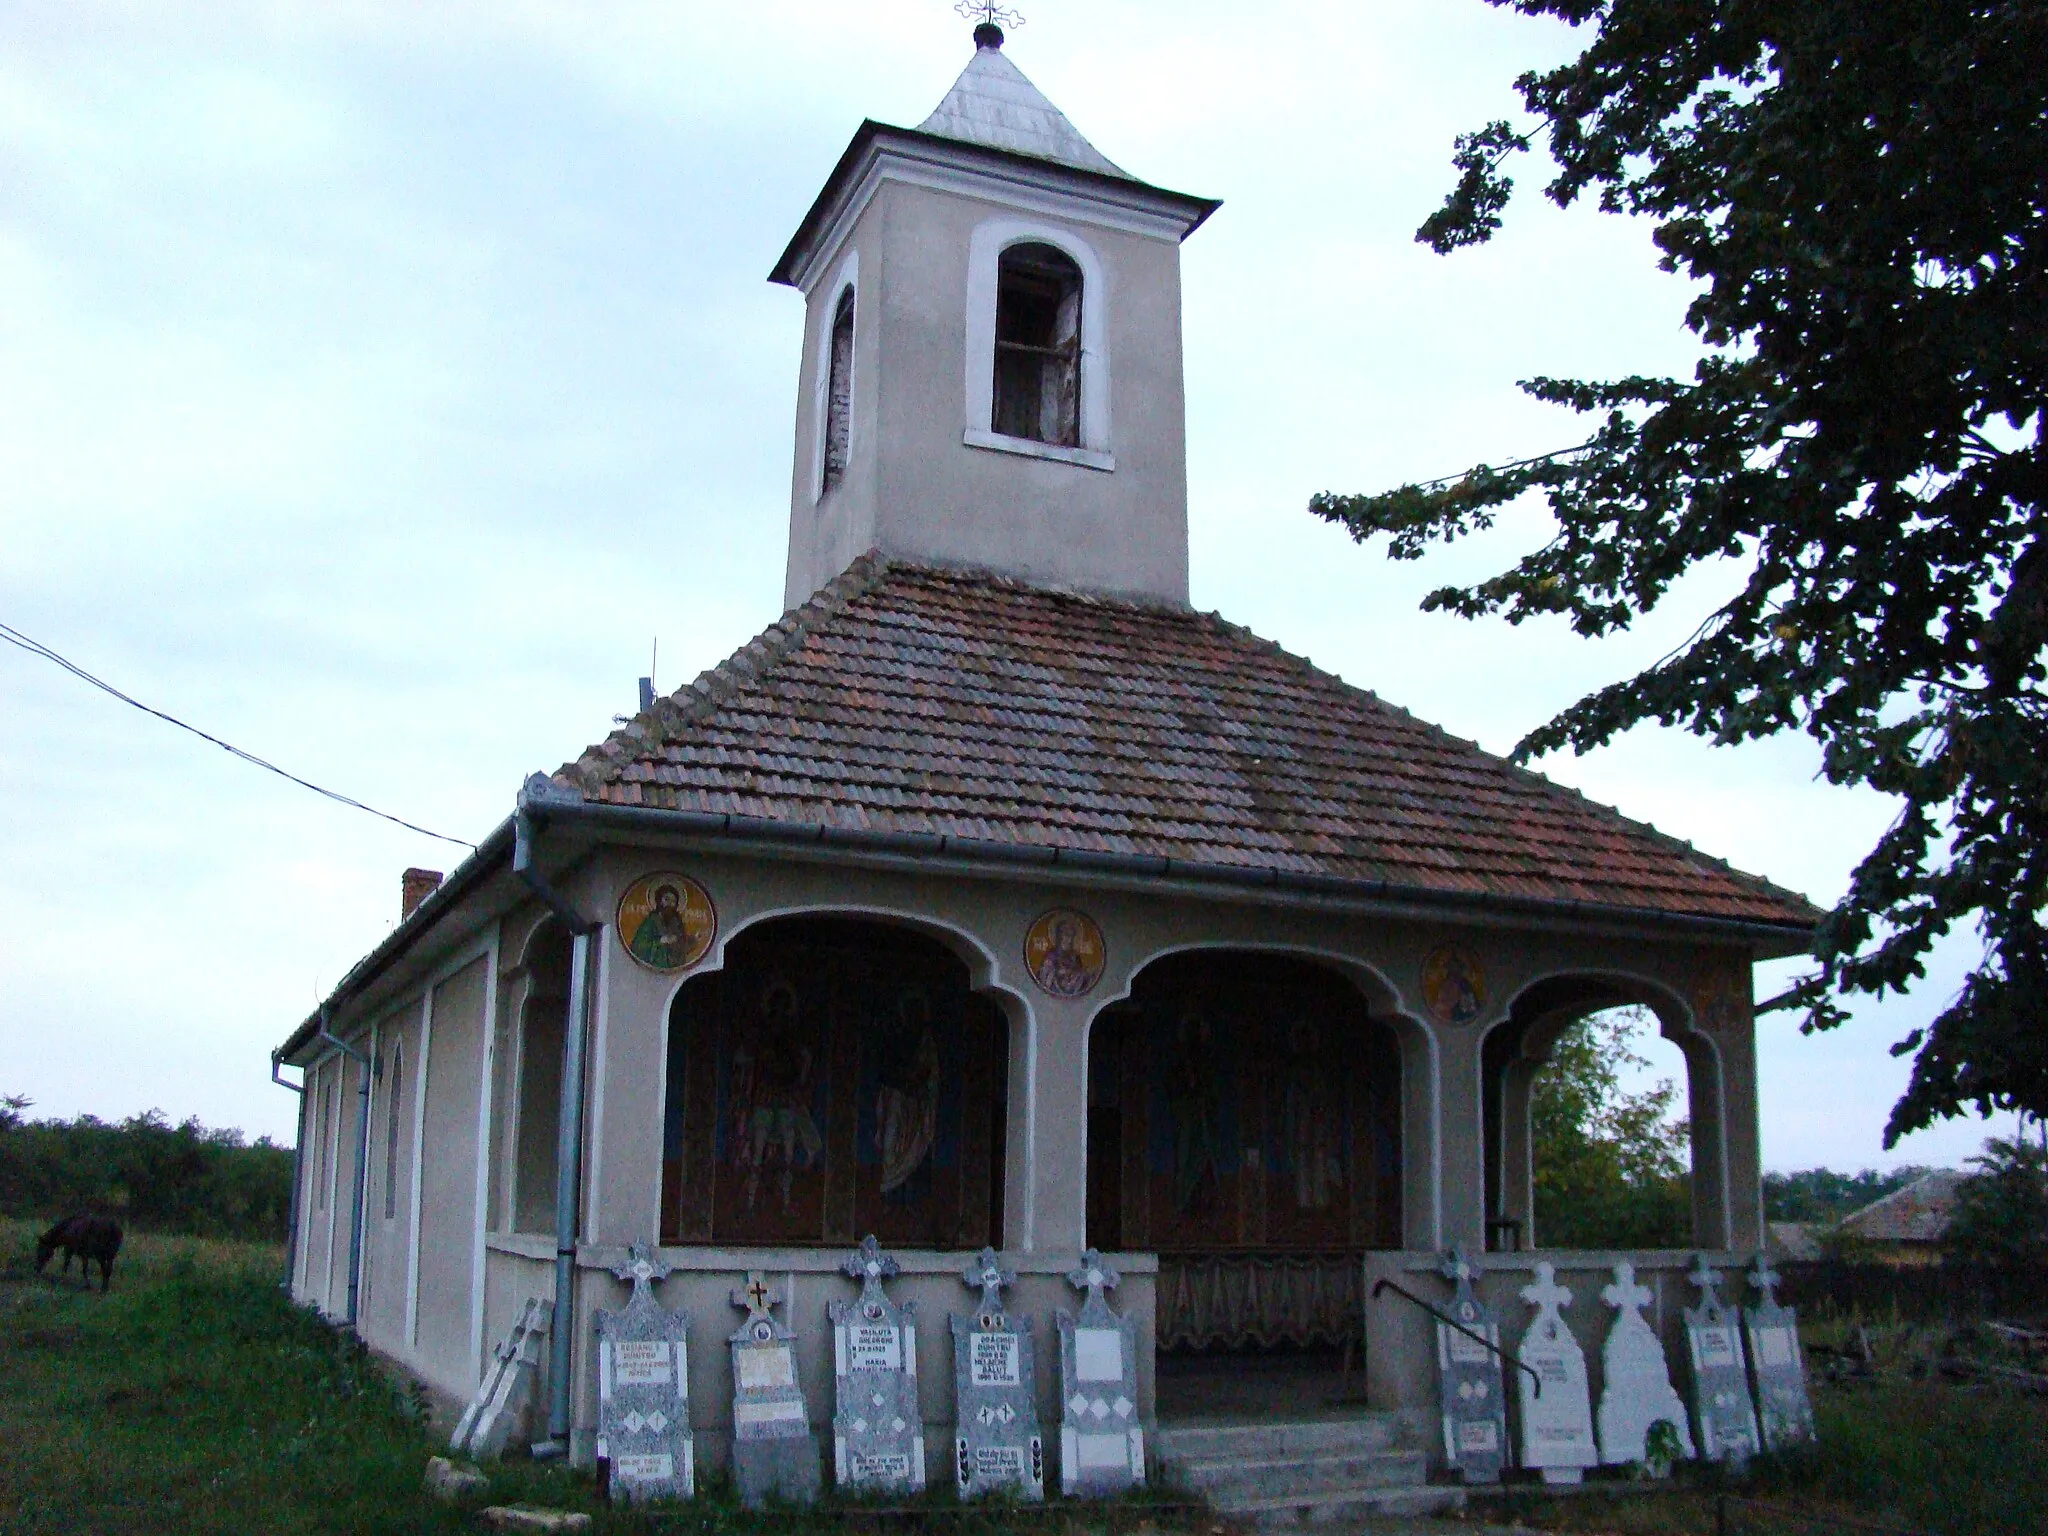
{"points": [[378, 380]]}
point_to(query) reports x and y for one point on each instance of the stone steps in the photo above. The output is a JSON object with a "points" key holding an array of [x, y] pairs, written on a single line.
{"points": [[1303, 1472]]}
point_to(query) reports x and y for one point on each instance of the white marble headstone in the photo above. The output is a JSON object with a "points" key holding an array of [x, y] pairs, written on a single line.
{"points": [[643, 1391], [1557, 1410], [997, 1447], [1475, 1412], [1102, 1443], [877, 1429], [1776, 1363], [1638, 1391], [773, 1450], [1724, 1417]]}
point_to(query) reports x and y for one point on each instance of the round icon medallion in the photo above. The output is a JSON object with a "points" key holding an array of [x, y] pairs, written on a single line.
{"points": [[667, 921], [1453, 985], [1064, 952]]}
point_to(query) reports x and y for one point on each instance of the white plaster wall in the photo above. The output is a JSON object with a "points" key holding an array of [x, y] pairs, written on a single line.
{"points": [[387, 1241], [444, 1326], [914, 488]]}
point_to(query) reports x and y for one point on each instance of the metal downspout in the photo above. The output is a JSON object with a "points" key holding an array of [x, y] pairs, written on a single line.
{"points": [[355, 1215], [568, 1142], [291, 1220]]}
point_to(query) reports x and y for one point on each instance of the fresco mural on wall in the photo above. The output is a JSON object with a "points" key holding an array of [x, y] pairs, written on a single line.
{"points": [[837, 1076], [666, 921], [1064, 952], [1256, 1106]]}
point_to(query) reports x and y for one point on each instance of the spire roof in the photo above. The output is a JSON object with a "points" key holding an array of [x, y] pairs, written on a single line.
{"points": [[993, 104]]}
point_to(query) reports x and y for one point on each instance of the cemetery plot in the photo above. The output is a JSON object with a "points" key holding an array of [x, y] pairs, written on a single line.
{"points": [[1557, 1417], [774, 1453], [1720, 1378], [1102, 1444], [643, 1391], [1784, 1410], [1475, 1419], [1638, 1391]]}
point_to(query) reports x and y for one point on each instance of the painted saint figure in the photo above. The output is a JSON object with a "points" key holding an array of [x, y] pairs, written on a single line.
{"points": [[663, 938], [774, 1116], [1191, 1102], [907, 1100], [1066, 972], [1309, 1127]]}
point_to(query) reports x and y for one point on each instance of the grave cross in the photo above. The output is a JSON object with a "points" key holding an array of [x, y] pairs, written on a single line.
{"points": [[757, 1298], [1708, 1280], [869, 1265], [1458, 1268], [1093, 1275], [1545, 1294], [643, 1266], [1765, 1279], [987, 1272], [1625, 1292]]}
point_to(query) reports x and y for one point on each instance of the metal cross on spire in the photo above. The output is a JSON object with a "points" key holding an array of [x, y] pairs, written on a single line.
{"points": [[989, 14]]}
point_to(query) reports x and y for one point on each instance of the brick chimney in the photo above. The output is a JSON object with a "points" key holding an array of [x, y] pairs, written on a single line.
{"points": [[419, 885]]}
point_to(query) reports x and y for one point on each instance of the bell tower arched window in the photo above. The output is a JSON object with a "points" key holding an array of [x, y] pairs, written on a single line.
{"points": [[1037, 392], [839, 395]]}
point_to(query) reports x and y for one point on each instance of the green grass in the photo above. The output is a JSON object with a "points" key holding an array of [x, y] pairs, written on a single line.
{"points": [[195, 1399]]}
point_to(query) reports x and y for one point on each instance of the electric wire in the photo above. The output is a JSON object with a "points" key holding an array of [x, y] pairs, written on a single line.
{"points": [[35, 647]]}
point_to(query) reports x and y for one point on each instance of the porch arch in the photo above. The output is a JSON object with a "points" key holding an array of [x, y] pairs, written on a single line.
{"points": [[833, 1072], [1516, 1049], [1247, 1108]]}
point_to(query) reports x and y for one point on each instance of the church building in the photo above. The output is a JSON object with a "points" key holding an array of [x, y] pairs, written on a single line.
{"points": [[994, 896]]}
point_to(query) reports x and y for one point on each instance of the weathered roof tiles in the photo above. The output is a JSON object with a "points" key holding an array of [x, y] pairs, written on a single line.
{"points": [[906, 698]]}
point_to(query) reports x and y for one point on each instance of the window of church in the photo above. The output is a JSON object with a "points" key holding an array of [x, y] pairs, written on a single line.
{"points": [[1038, 346], [839, 395]]}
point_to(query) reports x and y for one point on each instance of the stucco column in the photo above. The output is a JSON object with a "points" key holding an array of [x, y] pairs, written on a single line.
{"points": [[1741, 1147], [1515, 1168], [1462, 1144], [622, 1115], [1045, 1198]]}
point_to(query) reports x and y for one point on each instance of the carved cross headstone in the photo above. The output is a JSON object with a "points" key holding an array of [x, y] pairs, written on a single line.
{"points": [[1776, 1363], [997, 1446], [877, 1430], [1102, 1443], [643, 1391], [504, 1401], [1557, 1423], [1468, 1377], [1638, 1391], [1720, 1380], [773, 1452]]}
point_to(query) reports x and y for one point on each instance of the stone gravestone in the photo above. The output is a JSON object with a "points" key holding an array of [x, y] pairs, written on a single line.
{"points": [[1102, 1443], [1638, 1390], [773, 1452], [1776, 1364], [1468, 1376], [1557, 1422], [997, 1447], [504, 1401], [1720, 1379], [643, 1391], [877, 1430]]}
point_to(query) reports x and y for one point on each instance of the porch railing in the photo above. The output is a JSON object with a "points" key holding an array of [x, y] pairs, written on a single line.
{"points": [[1259, 1300]]}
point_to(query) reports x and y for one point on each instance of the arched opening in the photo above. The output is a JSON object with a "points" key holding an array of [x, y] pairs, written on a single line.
{"points": [[537, 1112], [1244, 1123], [838, 395], [1583, 1149], [1038, 346], [838, 1076]]}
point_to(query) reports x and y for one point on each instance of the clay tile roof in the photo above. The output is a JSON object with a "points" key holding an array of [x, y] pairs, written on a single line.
{"points": [[909, 699], [1919, 1213]]}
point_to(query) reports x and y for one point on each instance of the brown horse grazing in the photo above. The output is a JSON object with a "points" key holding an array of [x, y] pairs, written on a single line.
{"points": [[93, 1239]]}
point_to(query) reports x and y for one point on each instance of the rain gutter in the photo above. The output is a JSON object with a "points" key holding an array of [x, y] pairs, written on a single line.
{"points": [[569, 1123], [355, 1215], [1156, 867], [291, 1220]]}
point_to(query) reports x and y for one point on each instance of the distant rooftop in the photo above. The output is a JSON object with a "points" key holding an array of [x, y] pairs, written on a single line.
{"points": [[1919, 1213], [993, 104]]}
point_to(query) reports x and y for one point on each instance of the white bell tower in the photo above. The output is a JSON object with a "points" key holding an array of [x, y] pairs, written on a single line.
{"points": [[992, 354]]}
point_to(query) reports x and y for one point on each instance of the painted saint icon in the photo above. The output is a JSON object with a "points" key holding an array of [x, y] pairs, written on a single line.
{"points": [[1453, 985], [666, 921], [1064, 952]]}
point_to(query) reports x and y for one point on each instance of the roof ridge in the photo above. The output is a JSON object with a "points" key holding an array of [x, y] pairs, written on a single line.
{"points": [[1521, 771], [702, 697]]}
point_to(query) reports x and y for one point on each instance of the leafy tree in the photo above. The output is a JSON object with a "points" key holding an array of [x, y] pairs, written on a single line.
{"points": [[1610, 1166], [1822, 1195], [1857, 188], [2001, 1214]]}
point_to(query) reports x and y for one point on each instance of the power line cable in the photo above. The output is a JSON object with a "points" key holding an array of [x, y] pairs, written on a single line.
{"points": [[35, 647]]}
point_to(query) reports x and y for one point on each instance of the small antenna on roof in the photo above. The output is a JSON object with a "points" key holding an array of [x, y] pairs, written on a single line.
{"points": [[993, 18], [647, 682]]}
